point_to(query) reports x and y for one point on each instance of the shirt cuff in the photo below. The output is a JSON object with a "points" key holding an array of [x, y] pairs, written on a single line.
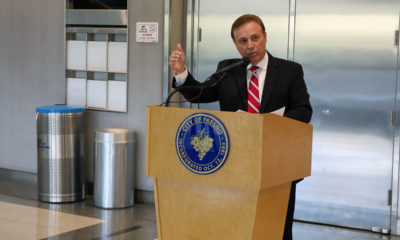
{"points": [[181, 77]]}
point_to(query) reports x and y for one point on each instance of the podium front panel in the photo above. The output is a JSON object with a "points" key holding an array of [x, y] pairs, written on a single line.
{"points": [[243, 164], [266, 150]]}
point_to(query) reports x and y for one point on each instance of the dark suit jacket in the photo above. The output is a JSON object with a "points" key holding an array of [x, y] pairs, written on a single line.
{"points": [[284, 87]]}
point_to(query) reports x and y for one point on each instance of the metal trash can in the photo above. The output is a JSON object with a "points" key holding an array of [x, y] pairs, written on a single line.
{"points": [[60, 153], [114, 168]]}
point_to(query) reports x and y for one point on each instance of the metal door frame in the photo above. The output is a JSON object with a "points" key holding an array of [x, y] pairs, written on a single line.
{"points": [[395, 211]]}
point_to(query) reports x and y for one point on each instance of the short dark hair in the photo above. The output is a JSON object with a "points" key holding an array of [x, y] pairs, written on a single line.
{"points": [[245, 19]]}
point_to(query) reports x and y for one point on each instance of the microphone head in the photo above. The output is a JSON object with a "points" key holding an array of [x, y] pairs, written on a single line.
{"points": [[245, 60]]}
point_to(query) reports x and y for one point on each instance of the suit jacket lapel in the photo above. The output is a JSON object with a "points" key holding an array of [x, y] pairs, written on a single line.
{"points": [[270, 80], [241, 83]]}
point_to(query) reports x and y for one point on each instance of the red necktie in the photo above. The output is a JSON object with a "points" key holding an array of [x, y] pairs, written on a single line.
{"points": [[253, 95]]}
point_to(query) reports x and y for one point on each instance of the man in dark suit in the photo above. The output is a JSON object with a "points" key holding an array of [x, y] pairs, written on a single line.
{"points": [[265, 85]]}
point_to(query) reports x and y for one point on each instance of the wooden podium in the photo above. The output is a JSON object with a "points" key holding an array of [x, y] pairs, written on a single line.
{"points": [[247, 197]]}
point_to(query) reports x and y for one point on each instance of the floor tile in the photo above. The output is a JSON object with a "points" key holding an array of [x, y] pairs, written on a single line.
{"points": [[18, 230], [19, 221]]}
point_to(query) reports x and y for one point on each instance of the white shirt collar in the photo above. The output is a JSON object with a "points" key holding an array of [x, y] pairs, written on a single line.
{"points": [[262, 64]]}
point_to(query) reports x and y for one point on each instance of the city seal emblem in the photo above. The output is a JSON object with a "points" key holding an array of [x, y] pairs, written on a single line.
{"points": [[202, 143]]}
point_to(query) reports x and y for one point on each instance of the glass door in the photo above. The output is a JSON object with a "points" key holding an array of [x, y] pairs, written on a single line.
{"points": [[349, 58], [213, 41]]}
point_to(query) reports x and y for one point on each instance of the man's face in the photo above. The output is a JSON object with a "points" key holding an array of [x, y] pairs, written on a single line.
{"points": [[251, 41]]}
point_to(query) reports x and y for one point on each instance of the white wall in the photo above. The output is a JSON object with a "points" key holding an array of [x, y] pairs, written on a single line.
{"points": [[32, 75]]}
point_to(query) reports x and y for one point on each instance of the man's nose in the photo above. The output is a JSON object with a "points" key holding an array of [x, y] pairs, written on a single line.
{"points": [[250, 44]]}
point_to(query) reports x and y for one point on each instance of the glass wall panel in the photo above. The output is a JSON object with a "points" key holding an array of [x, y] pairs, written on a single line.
{"points": [[215, 21], [349, 58]]}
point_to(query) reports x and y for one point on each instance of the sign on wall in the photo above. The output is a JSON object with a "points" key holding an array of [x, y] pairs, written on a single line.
{"points": [[146, 32]]}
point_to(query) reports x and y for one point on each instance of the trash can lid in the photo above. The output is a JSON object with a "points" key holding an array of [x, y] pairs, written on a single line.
{"points": [[60, 108], [114, 135]]}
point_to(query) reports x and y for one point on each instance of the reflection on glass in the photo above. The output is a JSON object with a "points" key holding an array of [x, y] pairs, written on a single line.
{"points": [[215, 21], [349, 62]]}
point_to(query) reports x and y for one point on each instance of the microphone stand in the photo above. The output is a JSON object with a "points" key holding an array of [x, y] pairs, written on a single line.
{"points": [[208, 83]]}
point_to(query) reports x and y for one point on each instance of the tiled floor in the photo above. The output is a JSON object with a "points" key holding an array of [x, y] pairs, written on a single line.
{"points": [[28, 219], [23, 217], [307, 231], [37, 222]]}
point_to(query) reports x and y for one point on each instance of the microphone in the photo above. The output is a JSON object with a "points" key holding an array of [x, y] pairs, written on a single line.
{"points": [[244, 61], [209, 81]]}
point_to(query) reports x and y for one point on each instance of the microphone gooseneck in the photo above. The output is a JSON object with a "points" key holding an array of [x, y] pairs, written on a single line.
{"points": [[243, 61], [211, 81]]}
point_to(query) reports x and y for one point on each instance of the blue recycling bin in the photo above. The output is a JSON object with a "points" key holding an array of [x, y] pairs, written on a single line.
{"points": [[60, 153]]}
